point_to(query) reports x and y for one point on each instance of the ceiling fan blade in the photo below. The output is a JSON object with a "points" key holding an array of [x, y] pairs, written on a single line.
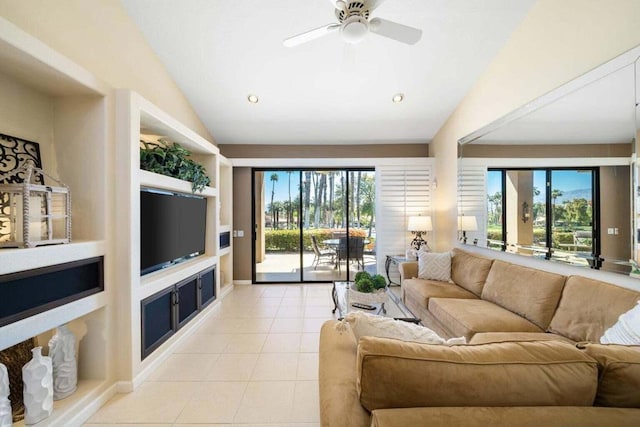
{"points": [[310, 35], [395, 31], [374, 4]]}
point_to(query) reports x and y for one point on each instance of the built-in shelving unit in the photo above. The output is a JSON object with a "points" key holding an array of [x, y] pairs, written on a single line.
{"points": [[48, 99], [226, 222], [138, 119]]}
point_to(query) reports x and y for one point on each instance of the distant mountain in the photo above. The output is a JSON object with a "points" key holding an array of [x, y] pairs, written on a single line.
{"points": [[583, 193]]}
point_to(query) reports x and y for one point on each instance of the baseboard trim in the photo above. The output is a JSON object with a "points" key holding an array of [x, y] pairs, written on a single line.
{"points": [[242, 282]]}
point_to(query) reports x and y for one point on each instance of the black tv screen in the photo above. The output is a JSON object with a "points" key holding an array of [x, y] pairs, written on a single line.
{"points": [[172, 228]]}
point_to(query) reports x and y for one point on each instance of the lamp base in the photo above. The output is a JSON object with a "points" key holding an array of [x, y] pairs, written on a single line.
{"points": [[418, 242]]}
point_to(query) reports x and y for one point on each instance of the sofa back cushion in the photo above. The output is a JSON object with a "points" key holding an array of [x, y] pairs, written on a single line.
{"points": [[533, 294], [619, 379], [399, 374], [588, 307], [469, 270]]}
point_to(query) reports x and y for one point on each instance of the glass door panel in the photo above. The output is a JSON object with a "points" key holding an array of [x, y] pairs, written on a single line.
{"points": [[572, 215], [277, 234]]}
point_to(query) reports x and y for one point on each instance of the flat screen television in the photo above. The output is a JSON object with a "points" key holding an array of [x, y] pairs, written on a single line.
{"points": [[172, 228]]}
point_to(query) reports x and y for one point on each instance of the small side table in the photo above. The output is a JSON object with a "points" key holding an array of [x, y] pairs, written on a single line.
{"points": [[395, 260]]}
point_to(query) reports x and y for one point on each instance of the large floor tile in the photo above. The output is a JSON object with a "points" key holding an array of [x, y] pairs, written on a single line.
{"points": [[287, 326], [305, 402], [238, 326], [290, 311], [152, 402], [232, 367], [282, 343], [313, 325], [246, 343], [204, 343], [307, 366], [310, 342], [276, 366], [213, 402], [184, 367], [128, 425], [270, 402]]}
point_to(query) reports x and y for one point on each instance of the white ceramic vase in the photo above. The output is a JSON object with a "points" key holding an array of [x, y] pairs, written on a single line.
{"points": [[37, 376], [6, 419], [62, 351]]}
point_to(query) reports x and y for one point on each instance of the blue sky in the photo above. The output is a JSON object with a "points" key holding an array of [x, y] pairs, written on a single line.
{"points": [[564, 180]]}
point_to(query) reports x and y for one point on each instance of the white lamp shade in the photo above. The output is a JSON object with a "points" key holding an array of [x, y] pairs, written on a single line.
{"points": [[467, 223], [419, 223]]}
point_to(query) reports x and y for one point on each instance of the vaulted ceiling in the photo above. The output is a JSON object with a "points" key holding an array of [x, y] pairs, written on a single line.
{"points": [[325, 91]]}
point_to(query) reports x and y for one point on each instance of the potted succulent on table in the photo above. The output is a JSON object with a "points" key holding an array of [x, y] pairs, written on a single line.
{"points": [[368, 289]]}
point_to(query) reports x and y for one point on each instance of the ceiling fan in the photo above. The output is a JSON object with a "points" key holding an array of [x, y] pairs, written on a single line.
{"points": [[354, 25]]}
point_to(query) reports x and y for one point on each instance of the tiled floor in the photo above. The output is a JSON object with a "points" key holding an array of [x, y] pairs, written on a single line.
{"points": [[254, 362]]}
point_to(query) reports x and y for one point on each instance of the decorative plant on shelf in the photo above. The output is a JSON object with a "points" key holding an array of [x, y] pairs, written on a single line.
{"points": [[172, 160], [367, 283]]}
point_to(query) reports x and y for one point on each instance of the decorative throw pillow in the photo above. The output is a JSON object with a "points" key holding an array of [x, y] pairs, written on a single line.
{"points": [[435, 266], [363, 324], [626, 330]]}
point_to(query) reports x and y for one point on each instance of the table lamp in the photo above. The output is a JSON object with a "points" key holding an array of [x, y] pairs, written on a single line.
{"points": [[467, 223], [419, 225]]}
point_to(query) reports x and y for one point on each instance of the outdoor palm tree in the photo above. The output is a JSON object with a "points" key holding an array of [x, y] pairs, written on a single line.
{"points": [[273, 179], [555, 193]]}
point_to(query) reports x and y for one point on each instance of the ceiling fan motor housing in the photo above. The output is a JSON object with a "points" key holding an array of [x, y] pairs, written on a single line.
{"points": [[354, 29]]}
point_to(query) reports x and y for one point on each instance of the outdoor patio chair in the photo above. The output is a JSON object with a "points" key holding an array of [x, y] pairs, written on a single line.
{"points": [[319, 254], [355, 252]]}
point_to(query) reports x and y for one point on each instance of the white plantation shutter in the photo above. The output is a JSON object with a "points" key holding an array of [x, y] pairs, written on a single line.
{"points": [[402, 191], [472, 198]]}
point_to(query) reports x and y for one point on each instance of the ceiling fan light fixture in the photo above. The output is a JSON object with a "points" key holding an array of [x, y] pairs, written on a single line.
{"points": [[253, 98], [354, 29], [397, 98]]}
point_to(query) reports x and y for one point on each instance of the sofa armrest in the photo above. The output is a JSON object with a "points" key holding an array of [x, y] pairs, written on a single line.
{"points": [[399, 374], [408, 270]]}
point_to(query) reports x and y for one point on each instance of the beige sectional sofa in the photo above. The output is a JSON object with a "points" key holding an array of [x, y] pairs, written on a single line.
{"points": [[522, 365]]}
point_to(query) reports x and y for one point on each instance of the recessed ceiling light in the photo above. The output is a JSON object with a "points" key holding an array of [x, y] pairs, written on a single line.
{"points": [[253, 99], [398, 97]]}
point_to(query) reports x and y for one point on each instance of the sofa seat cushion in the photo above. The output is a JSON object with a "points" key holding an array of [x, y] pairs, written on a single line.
{"points": [[588, 307], [466, 317], [531, 293], [469, 270], [547, 416], [619, 380], [421, 290], [400, 374], [488, 337]]}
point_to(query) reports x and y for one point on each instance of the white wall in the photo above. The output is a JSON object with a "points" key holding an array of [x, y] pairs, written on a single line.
{"points": [[100, 36], [556, 42]]}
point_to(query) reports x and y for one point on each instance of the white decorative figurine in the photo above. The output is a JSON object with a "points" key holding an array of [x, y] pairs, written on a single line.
{"points": [[6, 419], [37, 376], [62, 350]]}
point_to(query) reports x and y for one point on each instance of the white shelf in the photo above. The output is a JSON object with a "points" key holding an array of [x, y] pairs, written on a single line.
{"points": [[14, 260], [226, 251], [163, 182], [224, 228], [16, 332], [64, 410]]}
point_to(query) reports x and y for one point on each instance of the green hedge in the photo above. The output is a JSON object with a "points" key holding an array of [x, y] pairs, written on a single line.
{"points": [[559, 237], [289, 240]]}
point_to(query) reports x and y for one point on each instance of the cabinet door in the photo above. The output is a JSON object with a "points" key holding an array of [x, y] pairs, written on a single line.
{"points": [[158, 320], [207, 287], [187, 303]]}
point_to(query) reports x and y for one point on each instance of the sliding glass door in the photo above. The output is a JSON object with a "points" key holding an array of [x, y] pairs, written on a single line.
{"points": [[313, 225]]}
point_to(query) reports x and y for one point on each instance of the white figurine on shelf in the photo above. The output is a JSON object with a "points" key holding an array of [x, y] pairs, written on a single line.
{"points": [[37, 376], [6, 419], [62, 350]]}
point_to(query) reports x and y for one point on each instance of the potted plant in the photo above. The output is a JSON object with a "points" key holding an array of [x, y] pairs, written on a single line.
{"points": [[172, 160], [368, 289]]}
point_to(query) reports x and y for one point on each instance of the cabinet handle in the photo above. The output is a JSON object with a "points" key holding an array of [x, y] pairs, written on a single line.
{"points": [[176, 297]]}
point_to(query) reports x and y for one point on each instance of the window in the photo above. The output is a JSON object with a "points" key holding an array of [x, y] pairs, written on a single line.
{"points": [[550, 213]]}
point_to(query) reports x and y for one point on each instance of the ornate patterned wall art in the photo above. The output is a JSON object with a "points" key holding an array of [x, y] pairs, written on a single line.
{"points": [[14, 152]]}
